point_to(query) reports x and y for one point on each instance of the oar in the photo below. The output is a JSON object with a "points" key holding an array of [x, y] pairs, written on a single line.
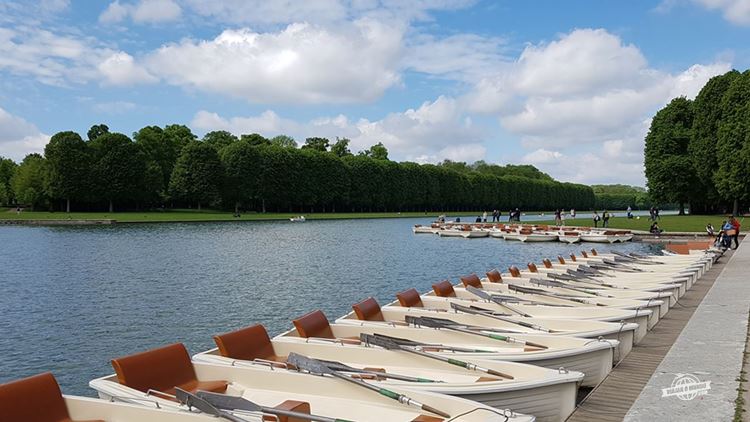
{"points": [[454, 326], [224, 401], [389, 344], [412, 343], [555, 295], [316, 367], [488, 314], [191, 400], [486, 296], [342, 367]]}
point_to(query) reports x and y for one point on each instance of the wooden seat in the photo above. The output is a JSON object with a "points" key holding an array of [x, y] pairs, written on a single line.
{"points": [[410, 299], [573, 257], [444, 289], [514, 271], [494, 276], [292, 406], [532, 267], [368, 310], [163, 370], [248, 343], [313, 324], [594, 252], [471, 280], [560, 259], [547, 263], [34, 399], [584, 254]]}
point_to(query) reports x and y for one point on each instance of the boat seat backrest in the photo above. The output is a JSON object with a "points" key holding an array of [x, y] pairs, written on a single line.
{"points": [[532, 267], [33, 399], [158, 369], [584, 254], [594, 252], [547, 263], [472, 280], [313, 324], [444, 289], [248, 343], [570, 233], [368, 310], [560, 259], [514, 271], [494, 276], [410, 299], [526, 231], [291, 406], [573, 257]]}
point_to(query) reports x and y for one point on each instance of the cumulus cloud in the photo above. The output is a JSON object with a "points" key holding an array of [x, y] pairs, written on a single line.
{"points": [[19, 137], [432, 132], [302, 63], [144, 11], [113, 107], [735, 11], [120, 69]]}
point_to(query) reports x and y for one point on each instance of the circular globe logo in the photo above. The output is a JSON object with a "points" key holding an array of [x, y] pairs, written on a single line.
{"points": [[686, 387]]}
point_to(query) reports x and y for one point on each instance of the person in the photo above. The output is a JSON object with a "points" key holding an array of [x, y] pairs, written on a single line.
{"points": [[710, 229], [518, 215], [458, 219], [651, 214], [558, 219], [18, 209], [596, 219], [479, 219], [562, 217], [605, 219], [726, 234], [484, 217], [655, 228], [441, 218], [630, 212], [656, 214], [573, 213], [736, 226]]}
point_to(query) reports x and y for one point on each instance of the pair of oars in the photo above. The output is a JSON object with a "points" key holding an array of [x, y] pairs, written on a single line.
{"points": [[447, 324]]}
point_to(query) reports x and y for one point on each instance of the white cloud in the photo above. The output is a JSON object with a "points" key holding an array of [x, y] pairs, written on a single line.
{"points": [[54, 6], [435, 131], [114, 107], [302, 63], [19, 137], [735, 11], [120, 69], [467, 57], [145, 11]]}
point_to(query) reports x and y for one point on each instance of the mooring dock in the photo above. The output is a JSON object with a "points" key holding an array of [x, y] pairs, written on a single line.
{"points": [[704, 335]]}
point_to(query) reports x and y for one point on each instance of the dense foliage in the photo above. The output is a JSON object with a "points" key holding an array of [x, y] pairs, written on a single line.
{"points": [[171, 167], [620, 197], [698, 152]]}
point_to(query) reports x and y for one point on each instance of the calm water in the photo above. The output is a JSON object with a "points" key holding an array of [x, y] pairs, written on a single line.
{"points": [[75, 297]]}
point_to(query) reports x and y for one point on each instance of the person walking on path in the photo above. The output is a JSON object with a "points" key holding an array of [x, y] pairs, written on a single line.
{"points": [[736, 226], [573, 213], [484, 217], [558, 219], [605, 219], [596, 219]]}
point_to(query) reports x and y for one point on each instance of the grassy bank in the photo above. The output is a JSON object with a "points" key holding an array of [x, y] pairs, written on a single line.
{"points": [[195, 216], [668, 223]]}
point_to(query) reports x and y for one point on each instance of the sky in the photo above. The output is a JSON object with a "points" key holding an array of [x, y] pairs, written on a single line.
{"points": [[567, 86]]}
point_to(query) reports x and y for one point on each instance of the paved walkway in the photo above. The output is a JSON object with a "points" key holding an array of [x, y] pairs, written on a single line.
{"points": [[612, 399], [710, 348]]}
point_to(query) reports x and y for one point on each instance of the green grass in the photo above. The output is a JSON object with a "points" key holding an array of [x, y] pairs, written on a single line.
{"points": [[668, 223], [195, 215]]}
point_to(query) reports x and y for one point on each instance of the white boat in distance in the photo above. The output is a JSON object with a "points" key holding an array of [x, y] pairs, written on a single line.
{"points": [[299, 219]]}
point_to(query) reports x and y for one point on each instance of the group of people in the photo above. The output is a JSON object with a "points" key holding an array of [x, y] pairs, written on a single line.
{"points": [[653, 214], [604, 218], [730, 232]]}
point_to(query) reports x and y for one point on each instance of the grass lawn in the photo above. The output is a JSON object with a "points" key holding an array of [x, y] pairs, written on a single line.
{"points": [[194, 215], [668, 223]]}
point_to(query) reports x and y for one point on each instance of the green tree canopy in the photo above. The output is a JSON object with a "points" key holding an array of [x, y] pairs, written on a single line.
{"points": [[255, 139], [97, 131], [118, 168], [733, 146], [219, 139], [7, 169], [28, 181], [341, 147], [377, 151], [667, 162], [284, 141], [317, 144], [242, 167], [197, 175], [68, 165]]}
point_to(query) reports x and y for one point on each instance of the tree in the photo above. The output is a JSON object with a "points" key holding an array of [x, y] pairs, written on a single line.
{"points": [[241, 162], [668, 165], [377, 151], [118, 167], [219, 139], [7, 169], [97, 131], [68, 164], [255, 139], [179, 136], [284, 141], [28, 181], [733, 146], [197, 175], [702, 148], [341, 147], [317, 144], [161, 150]]}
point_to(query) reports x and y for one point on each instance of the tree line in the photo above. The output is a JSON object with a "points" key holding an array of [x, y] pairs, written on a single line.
{"points": [[697, 152], [170, 167]]}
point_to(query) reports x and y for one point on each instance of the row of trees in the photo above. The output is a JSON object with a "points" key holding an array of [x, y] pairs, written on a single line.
{"points": [[698, 152], [620, 197], [171, 166]]}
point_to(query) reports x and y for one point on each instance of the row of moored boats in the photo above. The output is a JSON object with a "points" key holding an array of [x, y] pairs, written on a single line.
{"points": [[525, 233], [509, 346]]}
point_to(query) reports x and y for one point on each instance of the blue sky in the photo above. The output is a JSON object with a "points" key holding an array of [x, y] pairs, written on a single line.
{"points": [[567, 86]]}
